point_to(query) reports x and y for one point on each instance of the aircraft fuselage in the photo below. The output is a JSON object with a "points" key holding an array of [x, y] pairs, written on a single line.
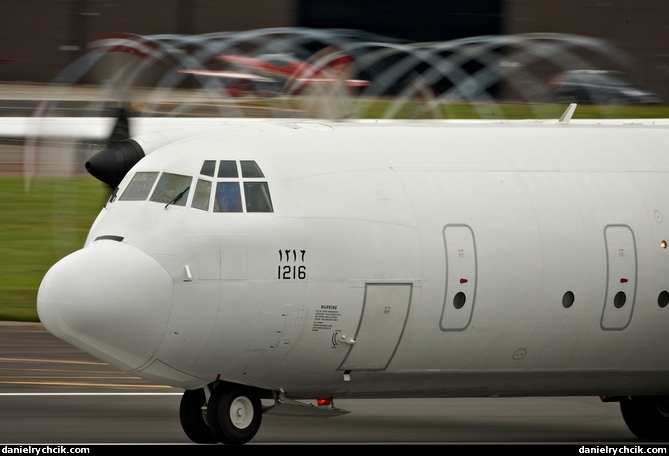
{"points": [[384, 260]]}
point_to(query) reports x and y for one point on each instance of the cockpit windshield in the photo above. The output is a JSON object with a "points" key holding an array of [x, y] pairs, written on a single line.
{"points": [[238, 186], [139, 187], [169, 187]]}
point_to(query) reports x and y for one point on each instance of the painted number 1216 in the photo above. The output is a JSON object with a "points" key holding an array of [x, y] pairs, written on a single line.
{"points": [[292, 272]]}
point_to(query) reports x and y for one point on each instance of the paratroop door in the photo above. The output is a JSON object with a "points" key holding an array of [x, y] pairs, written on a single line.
{"points": [[384, 316]]}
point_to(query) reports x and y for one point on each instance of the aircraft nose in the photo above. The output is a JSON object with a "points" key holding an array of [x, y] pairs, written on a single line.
{"points": [[110, 300]]}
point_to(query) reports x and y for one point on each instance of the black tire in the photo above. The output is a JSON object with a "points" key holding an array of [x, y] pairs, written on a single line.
{"points": [[647, 417], [193, 417], [235, 413]]}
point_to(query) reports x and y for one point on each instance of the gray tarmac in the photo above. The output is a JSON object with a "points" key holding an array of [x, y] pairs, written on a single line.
{"points": [[53, 393]]}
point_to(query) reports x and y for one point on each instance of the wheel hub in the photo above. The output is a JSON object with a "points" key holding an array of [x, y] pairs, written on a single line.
{"points": [[241, 412]]}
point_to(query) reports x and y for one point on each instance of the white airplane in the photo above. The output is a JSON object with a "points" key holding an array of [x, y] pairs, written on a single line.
{"points": [[263, 265]]}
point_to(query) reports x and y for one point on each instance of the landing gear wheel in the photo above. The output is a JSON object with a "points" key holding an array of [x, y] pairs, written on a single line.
{"points": [[234, 414], [647, 417], [193, 415]]}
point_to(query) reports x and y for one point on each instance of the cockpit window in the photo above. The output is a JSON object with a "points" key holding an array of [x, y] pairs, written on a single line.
{"points": [[250, 193], [251, 169], [257, 197], [202, 195], [208, 168], [139, 187], [228, 197], [169, 187], [228, 168]]}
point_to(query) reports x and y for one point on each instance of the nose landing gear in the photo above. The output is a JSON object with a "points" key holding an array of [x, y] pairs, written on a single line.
{"points": [[193, 415], [232, 415]]}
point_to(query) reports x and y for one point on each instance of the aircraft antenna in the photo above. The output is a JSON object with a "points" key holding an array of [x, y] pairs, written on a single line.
{"points": [[566, 116]]}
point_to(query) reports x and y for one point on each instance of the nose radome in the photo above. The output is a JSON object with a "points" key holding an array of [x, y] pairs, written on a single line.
{"points": [[110, 300]]}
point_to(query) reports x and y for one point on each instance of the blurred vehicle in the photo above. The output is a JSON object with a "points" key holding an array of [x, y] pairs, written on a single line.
{"points": [[599, 87], [272, 74]]}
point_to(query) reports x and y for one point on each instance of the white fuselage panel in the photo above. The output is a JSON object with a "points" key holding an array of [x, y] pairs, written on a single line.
{"points": [[443, 259]]}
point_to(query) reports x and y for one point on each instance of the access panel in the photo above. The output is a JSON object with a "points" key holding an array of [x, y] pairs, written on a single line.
{"points": [[384, 316]]}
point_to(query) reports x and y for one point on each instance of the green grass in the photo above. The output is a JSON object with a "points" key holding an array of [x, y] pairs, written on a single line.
{"points": [[515, 111], [380, 108], [38, 227]]}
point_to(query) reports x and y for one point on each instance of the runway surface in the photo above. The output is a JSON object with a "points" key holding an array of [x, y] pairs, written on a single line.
{"points": [[51, 392]]}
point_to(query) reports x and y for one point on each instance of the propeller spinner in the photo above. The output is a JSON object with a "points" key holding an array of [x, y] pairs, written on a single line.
{"points": [[113, 162]]}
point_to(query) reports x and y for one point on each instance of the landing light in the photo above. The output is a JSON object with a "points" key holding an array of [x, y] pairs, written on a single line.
{"points": [[663, 244]]}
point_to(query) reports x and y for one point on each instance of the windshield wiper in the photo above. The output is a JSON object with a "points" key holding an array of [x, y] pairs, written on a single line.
{"points": [[178, 197], [112, 198]]}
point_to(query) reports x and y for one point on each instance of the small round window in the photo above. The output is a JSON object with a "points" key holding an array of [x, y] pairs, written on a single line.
{"points": [[459, 300], [568, 299], [663, 299], [619, 299]]}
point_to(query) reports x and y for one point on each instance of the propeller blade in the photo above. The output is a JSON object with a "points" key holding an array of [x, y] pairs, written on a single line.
{"points": [[121, 128]]}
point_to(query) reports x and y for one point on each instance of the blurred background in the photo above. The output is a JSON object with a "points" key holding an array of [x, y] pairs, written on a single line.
{"points": [[493, 59], [39, 38], [595, 52]]}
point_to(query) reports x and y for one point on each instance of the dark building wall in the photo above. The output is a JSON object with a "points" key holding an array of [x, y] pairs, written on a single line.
{"points": [[639, 28], [44, 36], [37, 35], [416, 20]]}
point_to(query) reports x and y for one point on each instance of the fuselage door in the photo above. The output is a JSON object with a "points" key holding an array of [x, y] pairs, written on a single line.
{"points": [[622, 270], [460, 292], [384, 315]]}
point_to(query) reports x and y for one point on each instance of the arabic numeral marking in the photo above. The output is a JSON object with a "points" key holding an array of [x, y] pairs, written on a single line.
{"points": [[288, 271]]}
